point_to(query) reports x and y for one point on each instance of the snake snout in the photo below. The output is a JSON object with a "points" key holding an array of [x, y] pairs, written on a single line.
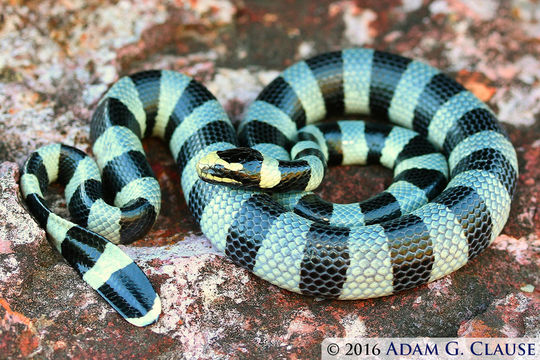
{"points": [[234, 167], [211, 168]]}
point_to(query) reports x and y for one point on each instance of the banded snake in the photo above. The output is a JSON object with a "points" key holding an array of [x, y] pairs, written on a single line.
{"points": [[428, 223]]}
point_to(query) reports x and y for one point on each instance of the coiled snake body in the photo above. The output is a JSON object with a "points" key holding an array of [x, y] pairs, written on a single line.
{"points": [[428, 223]]}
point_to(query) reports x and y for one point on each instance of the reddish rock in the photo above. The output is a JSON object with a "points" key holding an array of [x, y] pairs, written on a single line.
{"points": [[516, 315], [20, 237], [477, 84]]}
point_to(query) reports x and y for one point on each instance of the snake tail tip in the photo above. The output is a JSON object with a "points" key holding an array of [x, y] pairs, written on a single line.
{"points": [[150, 317]]}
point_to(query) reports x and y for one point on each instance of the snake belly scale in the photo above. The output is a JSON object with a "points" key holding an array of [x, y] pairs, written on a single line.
{"points": [[433, 218]]}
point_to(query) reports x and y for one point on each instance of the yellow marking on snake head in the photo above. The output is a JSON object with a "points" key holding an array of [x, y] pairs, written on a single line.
{"points": [[212, 159], [221, 179]]}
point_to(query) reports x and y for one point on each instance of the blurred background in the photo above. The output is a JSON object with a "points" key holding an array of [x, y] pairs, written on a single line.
{"points": [[57, 58]]}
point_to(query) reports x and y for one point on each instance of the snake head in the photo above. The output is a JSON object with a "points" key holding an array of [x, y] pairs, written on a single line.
{"points": [[238, 167]]}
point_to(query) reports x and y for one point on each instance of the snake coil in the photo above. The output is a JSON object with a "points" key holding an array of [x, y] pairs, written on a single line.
{"points": [[433, 218]]}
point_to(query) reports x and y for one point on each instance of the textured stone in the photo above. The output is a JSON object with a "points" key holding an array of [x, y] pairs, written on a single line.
{"points": [[515, 315], [58, 58]]}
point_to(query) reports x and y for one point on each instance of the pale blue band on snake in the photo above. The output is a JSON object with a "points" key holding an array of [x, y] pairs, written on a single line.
{"points": [[404, 237]]}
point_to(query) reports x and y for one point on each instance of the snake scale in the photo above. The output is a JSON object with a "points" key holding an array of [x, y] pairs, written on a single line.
{"points": [[454, 177]]}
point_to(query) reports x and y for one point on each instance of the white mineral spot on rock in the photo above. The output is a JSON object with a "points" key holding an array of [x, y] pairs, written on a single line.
{"points": [[93, 93], [306, 49], [173, 308], [354, 326], [518, 105], [9, 267], [411, 5], [518, 248], [357, 30], [529, 66], [439, 7], [301, 323], [485, 9], [527, 10], [241, 85], [107, 73]]}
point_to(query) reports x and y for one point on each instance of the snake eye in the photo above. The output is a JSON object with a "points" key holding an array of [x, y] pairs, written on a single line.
{"points": [[216, 170]]}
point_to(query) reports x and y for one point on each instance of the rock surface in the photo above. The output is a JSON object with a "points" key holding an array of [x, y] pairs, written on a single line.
{"points": [[58, 58]]}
